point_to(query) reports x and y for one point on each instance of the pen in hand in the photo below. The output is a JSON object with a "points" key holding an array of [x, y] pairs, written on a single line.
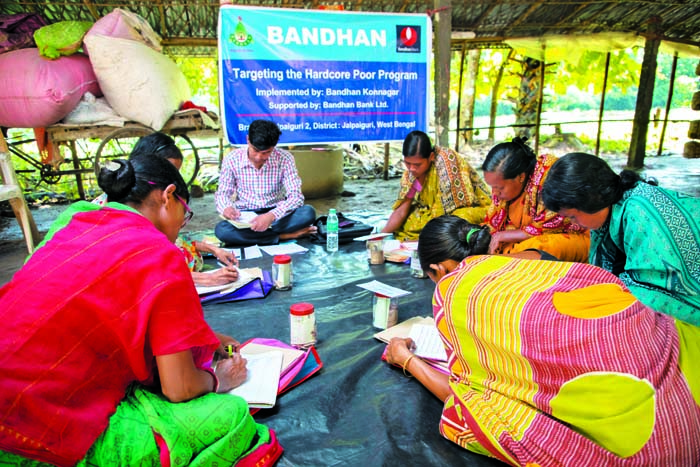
{"points": [[229, 348]]}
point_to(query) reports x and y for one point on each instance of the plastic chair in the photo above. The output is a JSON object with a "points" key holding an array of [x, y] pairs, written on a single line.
{"points": [[10, 190]]}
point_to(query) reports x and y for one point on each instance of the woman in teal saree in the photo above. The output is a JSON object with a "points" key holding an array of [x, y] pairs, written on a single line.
{"points": [[646, 235]]}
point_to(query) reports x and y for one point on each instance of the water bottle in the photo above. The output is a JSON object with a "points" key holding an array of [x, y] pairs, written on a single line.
{"points": [[332, 232]]}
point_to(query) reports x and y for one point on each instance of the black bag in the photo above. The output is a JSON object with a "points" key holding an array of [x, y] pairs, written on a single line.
{"points": [[347, 229]]}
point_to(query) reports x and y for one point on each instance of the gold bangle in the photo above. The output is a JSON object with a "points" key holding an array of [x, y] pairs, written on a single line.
{"points": [[405, 364]]}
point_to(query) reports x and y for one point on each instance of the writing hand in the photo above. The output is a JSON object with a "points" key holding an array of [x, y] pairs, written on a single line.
{"points": [[231, 213], [227, 258], [222, 276], [225, 341], [232, 372], [399, 349]]}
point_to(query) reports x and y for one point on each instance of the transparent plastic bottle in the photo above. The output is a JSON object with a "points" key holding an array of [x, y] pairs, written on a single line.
{"points": [[332, 231]]}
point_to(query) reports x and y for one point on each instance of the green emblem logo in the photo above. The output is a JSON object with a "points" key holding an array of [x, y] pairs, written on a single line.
{"points": [[240, 35]]}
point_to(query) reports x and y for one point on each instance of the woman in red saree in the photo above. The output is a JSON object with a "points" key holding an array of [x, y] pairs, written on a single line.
{"points": [[107, 356]]}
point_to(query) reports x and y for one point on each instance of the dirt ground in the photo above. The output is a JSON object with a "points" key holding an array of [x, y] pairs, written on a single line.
{"points": [[370, 199]]}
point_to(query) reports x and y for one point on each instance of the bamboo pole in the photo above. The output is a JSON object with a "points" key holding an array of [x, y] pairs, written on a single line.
{"points": [[442, 26], [386, 161], [459, 95], [602, 105], [671, 83], [540, 98]]}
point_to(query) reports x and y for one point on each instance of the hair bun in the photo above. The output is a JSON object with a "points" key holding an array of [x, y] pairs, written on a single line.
{"points": [[117, 178]]}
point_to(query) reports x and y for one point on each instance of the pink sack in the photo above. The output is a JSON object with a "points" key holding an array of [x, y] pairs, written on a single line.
{"points": [[37, 92]]}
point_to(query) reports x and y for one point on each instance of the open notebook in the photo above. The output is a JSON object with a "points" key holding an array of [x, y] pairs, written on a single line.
{"points": [[422, 330], [267, 374], [243, 222], [260, 388], [245, 276]]}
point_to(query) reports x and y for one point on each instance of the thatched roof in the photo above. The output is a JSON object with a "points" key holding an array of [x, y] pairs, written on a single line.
{"points": [[192, 23]]}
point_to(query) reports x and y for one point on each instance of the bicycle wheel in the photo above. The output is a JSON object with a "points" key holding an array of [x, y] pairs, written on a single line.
{"points": [[120, 143]]}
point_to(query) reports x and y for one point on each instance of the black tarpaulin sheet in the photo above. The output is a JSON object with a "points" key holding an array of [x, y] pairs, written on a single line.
{"points": [[358, 411]]}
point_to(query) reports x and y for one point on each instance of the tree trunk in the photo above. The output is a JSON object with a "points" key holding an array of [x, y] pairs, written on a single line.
{"points": [[495, 92], [469, 98], [528, 97]]}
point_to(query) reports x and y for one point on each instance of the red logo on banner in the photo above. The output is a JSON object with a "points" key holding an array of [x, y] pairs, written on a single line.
{"points": [[408, 36]]}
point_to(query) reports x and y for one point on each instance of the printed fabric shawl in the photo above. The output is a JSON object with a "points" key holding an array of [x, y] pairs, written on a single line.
{"points": [[458, 181]]}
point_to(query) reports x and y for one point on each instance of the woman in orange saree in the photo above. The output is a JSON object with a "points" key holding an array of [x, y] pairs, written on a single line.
{"points": [[517, 217]]}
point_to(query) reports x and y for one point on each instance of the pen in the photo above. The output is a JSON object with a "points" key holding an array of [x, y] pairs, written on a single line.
{"points": [[230, 350]]}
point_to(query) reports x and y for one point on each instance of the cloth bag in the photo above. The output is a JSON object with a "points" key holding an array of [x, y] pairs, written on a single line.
{"points": [[259, 288], [301, 369], [347, 229]]}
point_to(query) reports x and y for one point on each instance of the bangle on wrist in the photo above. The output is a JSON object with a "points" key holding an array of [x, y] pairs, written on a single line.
{"points": [[405, 365], [216, 379]]}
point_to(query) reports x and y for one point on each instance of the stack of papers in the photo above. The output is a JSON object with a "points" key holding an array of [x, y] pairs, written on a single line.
{"points": [[243, 222], [284, 249]]}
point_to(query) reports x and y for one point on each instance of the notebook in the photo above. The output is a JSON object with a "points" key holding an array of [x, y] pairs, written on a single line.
{"points": [[243, 222], [245, 276], [425, 335], [260, 388]]}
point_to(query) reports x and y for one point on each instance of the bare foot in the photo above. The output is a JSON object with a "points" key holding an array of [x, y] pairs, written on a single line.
{"points": [[305, 232]]}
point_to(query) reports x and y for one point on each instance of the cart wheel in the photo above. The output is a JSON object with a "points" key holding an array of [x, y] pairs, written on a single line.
{"points": [[120, 143]]}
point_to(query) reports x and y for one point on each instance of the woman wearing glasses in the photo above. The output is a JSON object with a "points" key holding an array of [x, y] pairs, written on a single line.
{"points": [[517, 218], [107, 356], [437, 181], [161, 145]]}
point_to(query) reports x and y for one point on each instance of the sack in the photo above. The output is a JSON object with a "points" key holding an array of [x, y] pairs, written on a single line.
{"points": [[17, 31], [259, 288], [347, 229]]}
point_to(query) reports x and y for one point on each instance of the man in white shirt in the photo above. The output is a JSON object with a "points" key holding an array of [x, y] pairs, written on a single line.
{"points": [[263, 179]]}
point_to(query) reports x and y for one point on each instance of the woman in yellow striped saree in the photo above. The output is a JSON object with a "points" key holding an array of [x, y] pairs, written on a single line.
{"points": [[554, 363]]}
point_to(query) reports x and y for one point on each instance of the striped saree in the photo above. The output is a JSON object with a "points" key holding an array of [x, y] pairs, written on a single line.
{"points": [[557, 363]]}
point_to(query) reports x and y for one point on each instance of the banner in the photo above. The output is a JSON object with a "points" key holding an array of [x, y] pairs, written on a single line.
{"points": [[323, 76]]}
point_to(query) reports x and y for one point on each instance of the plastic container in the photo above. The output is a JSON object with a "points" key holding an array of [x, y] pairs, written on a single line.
{"points": [[332, 231], [302, 325], [385, 311], [282, 272], [375, 251], [416, 269]]}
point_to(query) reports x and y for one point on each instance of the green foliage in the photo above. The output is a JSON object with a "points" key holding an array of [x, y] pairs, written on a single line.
{"points": [[606, 145], [202, 76]]}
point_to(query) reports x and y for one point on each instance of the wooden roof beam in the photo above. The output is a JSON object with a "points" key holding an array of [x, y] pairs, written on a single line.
{"points": [[573, 14], [92, 9], [523, 17]]}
